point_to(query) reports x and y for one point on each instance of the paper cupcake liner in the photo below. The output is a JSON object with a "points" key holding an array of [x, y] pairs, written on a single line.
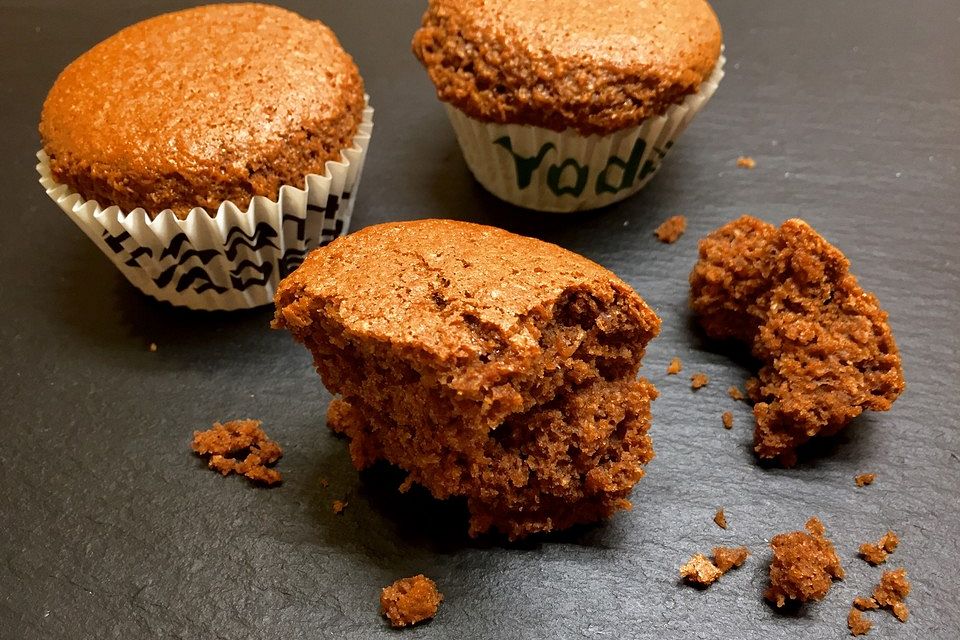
{"points": [[563, 171], [231, 260]]}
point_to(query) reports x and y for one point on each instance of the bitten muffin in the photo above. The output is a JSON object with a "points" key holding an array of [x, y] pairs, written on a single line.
{"points": [[827, 349], [485, 364], [197, 107]]}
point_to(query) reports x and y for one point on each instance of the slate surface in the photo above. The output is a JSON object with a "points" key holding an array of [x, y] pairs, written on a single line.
{"points": [[110, 528]]}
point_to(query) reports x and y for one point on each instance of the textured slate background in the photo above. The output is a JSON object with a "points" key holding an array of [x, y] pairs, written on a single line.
{"points": [[109, 527]]}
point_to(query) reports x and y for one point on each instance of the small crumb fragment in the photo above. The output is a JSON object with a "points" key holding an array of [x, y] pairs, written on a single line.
{"points": [[876, 553], [700, 571], [864, 479], [746, 162], [727, 418], [410, 600], [339, 506], [671, 229], [804, 565], [324, 483], [674, 367], [891, 591], [239, 446], [865, 604], [153, 347], [727, 558], [698, 380], [858, 625], [735, 393], [720, 518]]}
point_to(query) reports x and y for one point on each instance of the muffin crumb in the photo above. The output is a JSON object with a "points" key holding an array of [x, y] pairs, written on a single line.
{"points": [[153, 347], [865, 479], [891, 591], [699, 571], [698, 380], [804, 565], [746, 162], [671, 229], [720, 518], [735, 393], [674, 367], [410, 600], [858, 625], [239, 446], [727, 558], [876, 553], [865, 604], [727, 418], [324, 483], [339, 506]]}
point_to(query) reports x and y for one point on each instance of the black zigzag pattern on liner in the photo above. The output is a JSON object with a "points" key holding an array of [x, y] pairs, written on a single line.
{"points": [[263, 236]]}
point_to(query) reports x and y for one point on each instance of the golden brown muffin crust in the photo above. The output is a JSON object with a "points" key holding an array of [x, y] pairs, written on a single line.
{"points": [[596, 68], [188, 109]]}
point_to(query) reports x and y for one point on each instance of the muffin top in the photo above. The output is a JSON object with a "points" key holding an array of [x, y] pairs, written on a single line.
{"points": [[440, 286], [188, 109], [596, 67]]}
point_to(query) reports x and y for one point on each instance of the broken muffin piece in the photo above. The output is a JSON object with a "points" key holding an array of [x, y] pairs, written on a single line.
{"points": [[239, 446], [891, 592], [671, 229], [410, 600], [700, 571], [699, 380], [804, 565], [876, 553], [865, 479], [727, 558], [827, 348], [485, 364], [857, 623]]}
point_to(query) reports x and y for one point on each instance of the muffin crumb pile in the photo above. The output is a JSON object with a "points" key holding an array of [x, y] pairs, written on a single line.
{"points": [[239, 446], [804, 565]]}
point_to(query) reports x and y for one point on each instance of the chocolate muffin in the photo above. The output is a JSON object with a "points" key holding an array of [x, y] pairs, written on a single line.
{"points": [[197, 107], [486, 365], [516, 73]]}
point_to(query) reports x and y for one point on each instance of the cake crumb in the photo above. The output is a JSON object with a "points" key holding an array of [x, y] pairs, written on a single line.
{"points": [[804, 565], [698, 380], [720, 518], [700, 571], [891, 591], [239, 446], [746, 162], [727, 558], [876, 553], [339, 506], [865, 604], [324, 483], [410, 600], [671, 229], [735, 393], [864, 479], [727, 418], [153, 347], [858, 625], [674, 367]]}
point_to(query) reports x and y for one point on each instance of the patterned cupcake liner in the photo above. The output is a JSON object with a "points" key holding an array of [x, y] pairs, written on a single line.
{"points": [[563, 171], [231, 260]]}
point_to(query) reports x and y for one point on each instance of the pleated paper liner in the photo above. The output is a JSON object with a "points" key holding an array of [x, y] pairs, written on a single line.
{"points": [[231, 260], [563, 171]]}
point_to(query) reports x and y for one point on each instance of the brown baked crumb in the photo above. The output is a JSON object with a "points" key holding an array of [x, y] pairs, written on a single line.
{"points": [[153, 347], [891, 591], [746, 162], [876, 553], [698, 380], [865, 604], [727, 558], [410, 600], [671, 229], [239, 446], [674, 367], [858, 625], [339, 506], [700, 571], [735, 393], [720, 518], [864, 479], [826, 348], [324, 483], [804, 565], [727, 418]]}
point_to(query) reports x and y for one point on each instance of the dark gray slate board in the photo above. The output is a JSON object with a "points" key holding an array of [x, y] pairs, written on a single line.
{"points": [[109, 527]]}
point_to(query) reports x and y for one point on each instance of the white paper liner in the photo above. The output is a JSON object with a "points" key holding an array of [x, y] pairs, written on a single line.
{"points": [[234, 259], [563, 171]]}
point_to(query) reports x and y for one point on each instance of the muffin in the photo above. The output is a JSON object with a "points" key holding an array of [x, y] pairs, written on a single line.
{"points": [[569, 105], [486, 365], [206, 151]]}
